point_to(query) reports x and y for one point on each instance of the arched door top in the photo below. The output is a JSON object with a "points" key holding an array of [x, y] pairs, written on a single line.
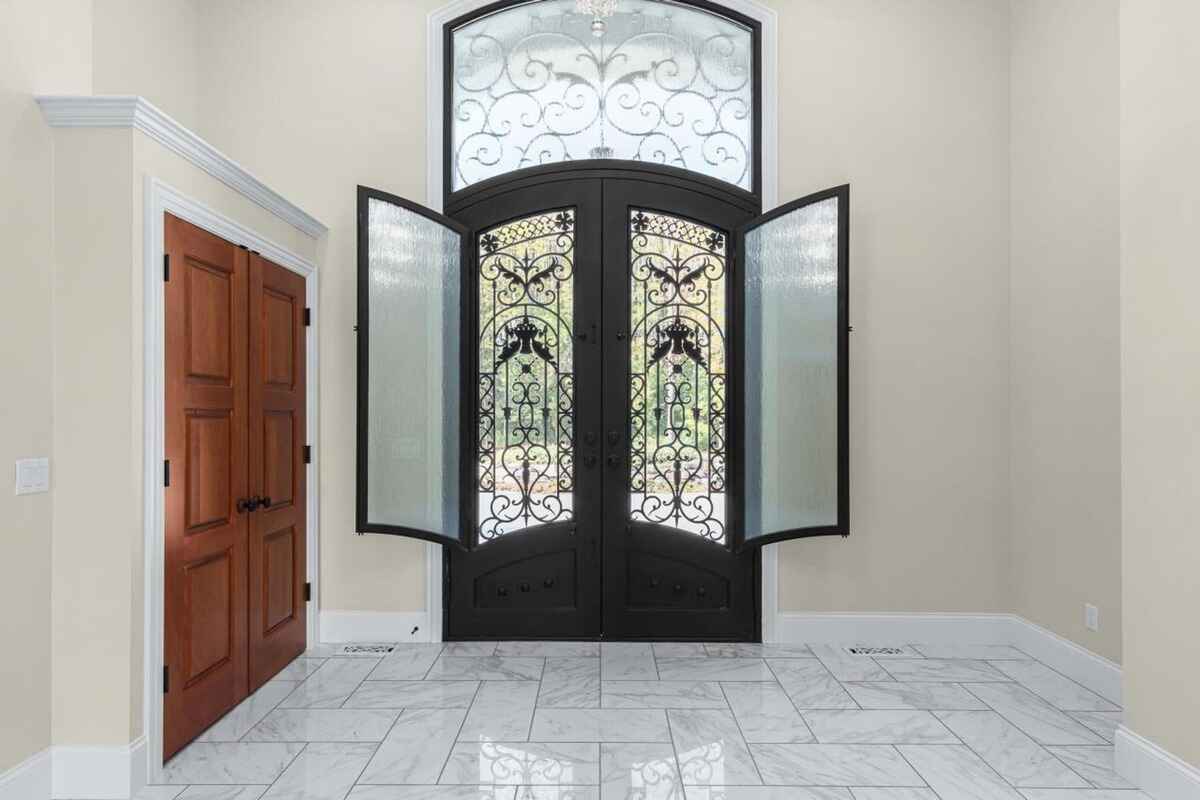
{"points": [[529, 84]]}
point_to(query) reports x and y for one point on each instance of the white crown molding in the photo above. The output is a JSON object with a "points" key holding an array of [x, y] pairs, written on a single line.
{"points": [[29, 780], [1157, 772], [99, 773], [130, 111]]}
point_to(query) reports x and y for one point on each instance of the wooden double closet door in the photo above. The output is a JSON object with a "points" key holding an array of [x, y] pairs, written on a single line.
{"points": [[234, 477]]}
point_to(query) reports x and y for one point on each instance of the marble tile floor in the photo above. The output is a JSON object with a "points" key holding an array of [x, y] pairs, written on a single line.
{"points": [[669, 721]]}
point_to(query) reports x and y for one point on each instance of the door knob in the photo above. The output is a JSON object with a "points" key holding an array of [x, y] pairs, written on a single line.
{"points": [[247, 504], [265, 502]]}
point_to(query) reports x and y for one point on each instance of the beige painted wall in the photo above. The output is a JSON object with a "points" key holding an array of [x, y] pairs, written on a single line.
{"points": [[928, 296], [1065, 342], [96, 489], [1160, 369], [97, 584], [28, 30], [153, 45], [340, 90], [320, 97]]}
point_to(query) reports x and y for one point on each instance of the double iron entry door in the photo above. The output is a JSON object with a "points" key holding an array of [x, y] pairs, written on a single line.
{"points": [[571, 360]]}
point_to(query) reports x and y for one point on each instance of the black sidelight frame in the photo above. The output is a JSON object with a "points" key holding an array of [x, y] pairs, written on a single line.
{"points": [[362, 523], [452, 198], [842, 527]]}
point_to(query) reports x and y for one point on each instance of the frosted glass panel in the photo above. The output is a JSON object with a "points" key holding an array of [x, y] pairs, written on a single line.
{"points": [[663, 83], [413, 289], [791, 415]]}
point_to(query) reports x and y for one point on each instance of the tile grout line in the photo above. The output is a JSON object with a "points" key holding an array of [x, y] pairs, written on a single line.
{"points": [[742, 734], [454, 741]]}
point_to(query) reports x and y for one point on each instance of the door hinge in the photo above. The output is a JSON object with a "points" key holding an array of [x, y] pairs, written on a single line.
{"points": [[167, 472], [166, 679], [307, 317], [307, 592], [308, 454], [166, 267]]}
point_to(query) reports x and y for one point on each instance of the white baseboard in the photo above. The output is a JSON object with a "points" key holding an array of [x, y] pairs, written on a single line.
{"points": [[29, 780], [1078, 663], [835, 628], [374, 626], [1160, 774], [99, 773], [1075, 661]]}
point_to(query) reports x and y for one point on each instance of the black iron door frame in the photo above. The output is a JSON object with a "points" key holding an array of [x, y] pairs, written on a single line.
{"points": [[659, 577], [670, 191], [563, 599]]}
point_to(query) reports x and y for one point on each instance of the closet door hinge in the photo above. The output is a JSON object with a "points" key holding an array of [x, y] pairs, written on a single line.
{"points": [[166, 267], [308, 454], [307, 317], [167, 472], [307, 592], [166, 679]]}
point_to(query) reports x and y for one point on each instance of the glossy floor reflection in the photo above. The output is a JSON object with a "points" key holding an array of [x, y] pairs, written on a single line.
{"points": [[672, 721]]}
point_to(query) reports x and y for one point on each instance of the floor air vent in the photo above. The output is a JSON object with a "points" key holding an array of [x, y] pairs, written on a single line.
{"points": [[366, 649], [875, 651]]}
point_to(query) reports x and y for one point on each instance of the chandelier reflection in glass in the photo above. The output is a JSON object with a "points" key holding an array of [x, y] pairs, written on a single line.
{"points": [[526, 379], [677, 383], [547, 82]]}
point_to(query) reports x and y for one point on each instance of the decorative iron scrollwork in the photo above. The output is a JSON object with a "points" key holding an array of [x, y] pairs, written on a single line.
{"points": [[677, 374], [526, 383], [665, 83]]}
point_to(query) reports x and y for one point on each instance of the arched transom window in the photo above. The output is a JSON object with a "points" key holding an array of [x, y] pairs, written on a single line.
{"points": [[646, 80]]}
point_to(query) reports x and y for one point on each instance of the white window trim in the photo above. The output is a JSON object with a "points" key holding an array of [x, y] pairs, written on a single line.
{"points": [[768, 102]]}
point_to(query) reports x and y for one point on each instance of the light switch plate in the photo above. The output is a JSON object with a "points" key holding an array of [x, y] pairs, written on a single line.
{"points": [[33, 475]]}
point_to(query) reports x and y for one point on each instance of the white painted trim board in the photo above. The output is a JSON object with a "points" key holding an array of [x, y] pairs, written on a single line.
{"points": [[1077, 663], [1159, 773], [131, 111], [339, 627], [98, 773], [434, 184], [29, 780], [160, 198]]}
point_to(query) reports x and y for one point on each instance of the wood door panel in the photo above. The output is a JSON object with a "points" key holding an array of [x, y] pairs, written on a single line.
{"points": [[279, 442], [279, 345], [205, 358], [210, 446], [208, 592], [209, 321], [279, 586], [278, 615]]}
